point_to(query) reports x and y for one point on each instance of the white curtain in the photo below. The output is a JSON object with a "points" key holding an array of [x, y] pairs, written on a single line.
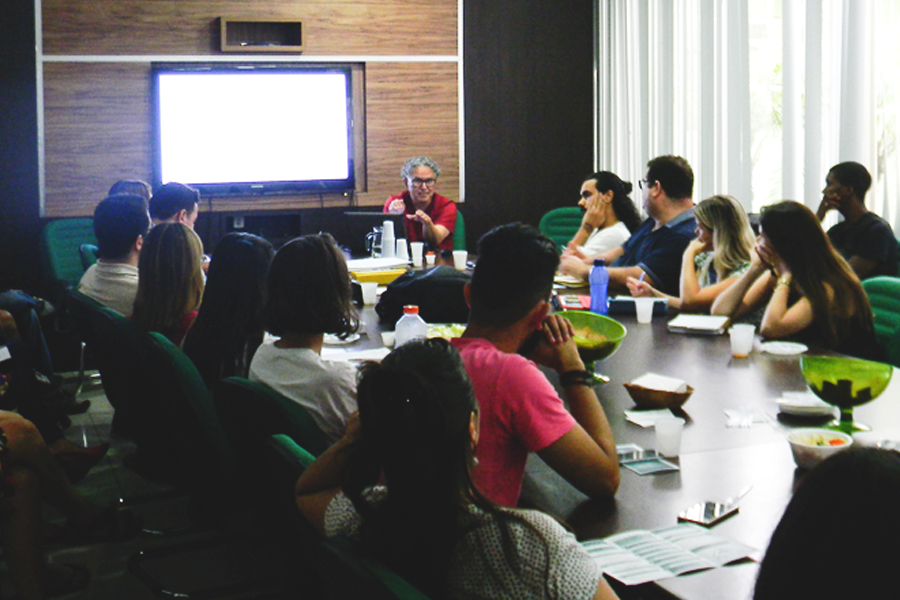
{"points": [[762, 97]]}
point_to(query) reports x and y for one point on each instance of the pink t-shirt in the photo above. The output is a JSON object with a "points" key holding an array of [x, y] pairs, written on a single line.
{"points": [[520, 413]]}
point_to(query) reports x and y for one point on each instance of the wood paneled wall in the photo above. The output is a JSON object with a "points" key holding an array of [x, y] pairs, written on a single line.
{"points": [[97, 113]]}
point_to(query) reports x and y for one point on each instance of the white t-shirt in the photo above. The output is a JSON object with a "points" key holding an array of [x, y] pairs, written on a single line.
{"points": [[603, 240], [553, 563], [113, 285], [327, 389]]}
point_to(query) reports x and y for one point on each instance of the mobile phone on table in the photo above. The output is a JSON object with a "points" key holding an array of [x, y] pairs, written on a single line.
{"points": [[707, 513]]}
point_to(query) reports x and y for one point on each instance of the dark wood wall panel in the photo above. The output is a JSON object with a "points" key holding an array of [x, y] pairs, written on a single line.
{"points": [[392, 27]]}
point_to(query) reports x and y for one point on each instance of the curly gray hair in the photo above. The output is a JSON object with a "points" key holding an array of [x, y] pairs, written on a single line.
{"points": [[419, 161]]}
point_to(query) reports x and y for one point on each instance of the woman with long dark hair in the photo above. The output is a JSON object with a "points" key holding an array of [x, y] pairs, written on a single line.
{"points": [[228, 328], [610, 215], [712, 262], [170, 281], [399, 483], [805, 285], [308, 296]]}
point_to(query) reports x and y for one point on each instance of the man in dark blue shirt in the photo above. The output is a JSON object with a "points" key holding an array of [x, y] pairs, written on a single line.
{"points": [[655, 250]]}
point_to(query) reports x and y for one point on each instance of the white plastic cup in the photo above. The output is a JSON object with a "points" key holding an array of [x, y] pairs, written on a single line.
{"points": [[402, 249], [742, 336], [369, 292], [387, 338], [429, 259], [418, 250], [387, 228], [644, 309], [459, 259], [668, 435]]}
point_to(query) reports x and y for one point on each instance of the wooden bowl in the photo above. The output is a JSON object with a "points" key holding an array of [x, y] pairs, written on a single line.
{"points": [[649, 398]]}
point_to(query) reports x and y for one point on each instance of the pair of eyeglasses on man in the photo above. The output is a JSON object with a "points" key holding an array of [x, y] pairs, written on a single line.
{"points": [[647, 182], [423, 182]]}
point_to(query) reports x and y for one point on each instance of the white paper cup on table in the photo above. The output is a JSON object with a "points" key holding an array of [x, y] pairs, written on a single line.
{"points": [[388, 228], [644, 309], [668, 435], [459, 259], [429, 259], [742, 336], [402, 249], [369, 292], [418, 250]]}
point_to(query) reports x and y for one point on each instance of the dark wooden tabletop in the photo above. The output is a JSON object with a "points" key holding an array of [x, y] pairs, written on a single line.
{"points": [[716, 461]]}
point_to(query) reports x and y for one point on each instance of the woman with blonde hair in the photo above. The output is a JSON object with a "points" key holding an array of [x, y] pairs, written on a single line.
{"points": [[807, 289], [712, 262], [170, 281]]}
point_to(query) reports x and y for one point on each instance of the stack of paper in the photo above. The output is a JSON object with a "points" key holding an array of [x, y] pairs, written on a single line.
{"points": [[704, 324]]}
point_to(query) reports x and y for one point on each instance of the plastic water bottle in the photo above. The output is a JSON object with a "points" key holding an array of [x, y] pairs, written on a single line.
{"points": [[599, 280], [410, 326]]}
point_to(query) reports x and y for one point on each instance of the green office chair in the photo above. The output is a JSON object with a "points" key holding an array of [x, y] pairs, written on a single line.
{"points": [[459, 234], [251, 412], [88, 253], [62, 240], [884, 296], [348, 574], [561, 224]]}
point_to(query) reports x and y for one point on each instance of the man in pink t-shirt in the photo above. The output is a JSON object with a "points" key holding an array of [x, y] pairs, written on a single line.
{"points": [[520, 411]]}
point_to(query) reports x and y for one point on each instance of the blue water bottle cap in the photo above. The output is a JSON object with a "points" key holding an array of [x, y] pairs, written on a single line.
{"points": [[599, 262]]}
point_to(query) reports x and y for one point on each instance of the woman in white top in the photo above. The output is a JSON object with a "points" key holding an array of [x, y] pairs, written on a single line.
{"points": [[712, 262], [610, 216], [308, 295], [398, 483]]}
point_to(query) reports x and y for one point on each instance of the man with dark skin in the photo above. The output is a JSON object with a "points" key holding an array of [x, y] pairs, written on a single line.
{"points": [[863, 238]]}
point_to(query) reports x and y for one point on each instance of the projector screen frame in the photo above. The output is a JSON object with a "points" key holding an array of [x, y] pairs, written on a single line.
{"points": [[250, 189]]}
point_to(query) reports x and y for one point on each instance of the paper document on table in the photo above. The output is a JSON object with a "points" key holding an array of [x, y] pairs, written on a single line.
{"points": [[704, 324], [4, 353], [652, 381], [376, 354], [636, 557]]}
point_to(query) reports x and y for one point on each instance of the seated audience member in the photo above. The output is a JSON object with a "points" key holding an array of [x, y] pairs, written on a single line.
{"points": [[713, 261], [29, 474], [837, 537], [863, 238], [175, 203], [610, 216], [228, 328], [655, 249], [805, 285], [399, 484], [430, 217], [308, 296], [120, 224], [520, 411], [170, 285], [131, 186]]}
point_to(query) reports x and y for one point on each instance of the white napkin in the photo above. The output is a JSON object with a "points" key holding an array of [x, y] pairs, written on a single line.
{"points": [[653, 381]]}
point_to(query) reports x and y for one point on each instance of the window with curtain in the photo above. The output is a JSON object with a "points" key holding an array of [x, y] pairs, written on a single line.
{"points": [[761, 96]]}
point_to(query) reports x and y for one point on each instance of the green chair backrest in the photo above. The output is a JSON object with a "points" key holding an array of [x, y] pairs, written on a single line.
{"points": [[192, 424], [62, 240], [561, 224], [88, 253], [459, 234], [884, 296], [361, 572], [251, 412]]}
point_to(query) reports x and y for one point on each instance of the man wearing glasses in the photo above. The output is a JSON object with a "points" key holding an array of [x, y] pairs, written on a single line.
{"points": [[655, 250], [430, 217]]}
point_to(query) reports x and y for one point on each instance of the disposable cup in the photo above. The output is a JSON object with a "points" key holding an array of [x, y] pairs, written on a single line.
{"points": [[402, 249], [429, 259], [644, 308], [388, 228], [668, 435], [741, 339], [387, 338], [459, 259], [417, 249], [369, 292]]}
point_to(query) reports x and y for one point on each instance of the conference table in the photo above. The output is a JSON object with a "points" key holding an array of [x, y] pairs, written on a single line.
{"points": [[716, 461]]}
